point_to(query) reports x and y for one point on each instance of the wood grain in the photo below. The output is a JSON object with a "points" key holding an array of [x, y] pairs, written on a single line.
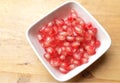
{"points": [[18, 62]]}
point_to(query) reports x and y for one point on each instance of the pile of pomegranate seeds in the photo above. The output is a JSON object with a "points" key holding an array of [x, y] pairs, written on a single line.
{"points": [[68, 42]]}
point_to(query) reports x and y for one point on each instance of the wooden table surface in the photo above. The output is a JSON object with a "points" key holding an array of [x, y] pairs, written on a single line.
{"points": [[18, 62]]}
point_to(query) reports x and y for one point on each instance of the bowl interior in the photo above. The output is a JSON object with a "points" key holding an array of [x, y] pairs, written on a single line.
{"points": [[62, 12]]}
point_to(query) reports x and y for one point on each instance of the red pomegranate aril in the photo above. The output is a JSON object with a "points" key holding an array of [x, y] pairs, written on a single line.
{"points": [[77, 62], [79, 38], [55, 62], [81, 50], [74, 14], [63, 70], [75, 44], [59, 22], [63, 33], [71, 60], [97, 43], [84, 60], [62, 57], [55, 30], [90, 50], [39, 37], [74, 50], [70, 38], [70, 18], [80, 21], [42, 30], [68, 49], [90, 32], [48, 29], [71, 67], [64, 27], [50, 24], [88, 36], [74, 23], [68, 42], [59, 50], [47, 56], [77, 56], [92, 42], [64, 65], [45, 44], [49, 50], [88, 26], [69, 31], [85, 55], [49, 39], [69, 24], [60, 37], [94, 31], [78, 30]]}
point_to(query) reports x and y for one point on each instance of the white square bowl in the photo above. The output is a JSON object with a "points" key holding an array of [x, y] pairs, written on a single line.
{"points": [[61, 12]]}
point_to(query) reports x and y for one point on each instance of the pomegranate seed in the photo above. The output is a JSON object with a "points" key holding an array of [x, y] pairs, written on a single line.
{"points": [[69, 31], [39, 37], [63, 70], [49, 39], [71, 67], [88, 36], [68, 49], [55, 30], [84, 60], [77, 62], [81, 50], [46, 44], [92, 42], [64, 27], [48, 30], [55, 62], [68, 42], [77, 56], [42, 29], [90, 32], [59, 50], [70, 38], [47, 56], [64, 52], [90, 50], [74, 14], [75, 44], [60, 37], [79, 39], [74, 50], [59, 22], [94, 30], [49, 50], [80, 21], [64, 65], [50, 24], [70, 18], [97, 43], [78, 30], [62, 57], [85, 55], [63, 33]]}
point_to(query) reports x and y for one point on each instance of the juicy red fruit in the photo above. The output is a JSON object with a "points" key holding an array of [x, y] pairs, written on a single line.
{"points": [[68, 42]]}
